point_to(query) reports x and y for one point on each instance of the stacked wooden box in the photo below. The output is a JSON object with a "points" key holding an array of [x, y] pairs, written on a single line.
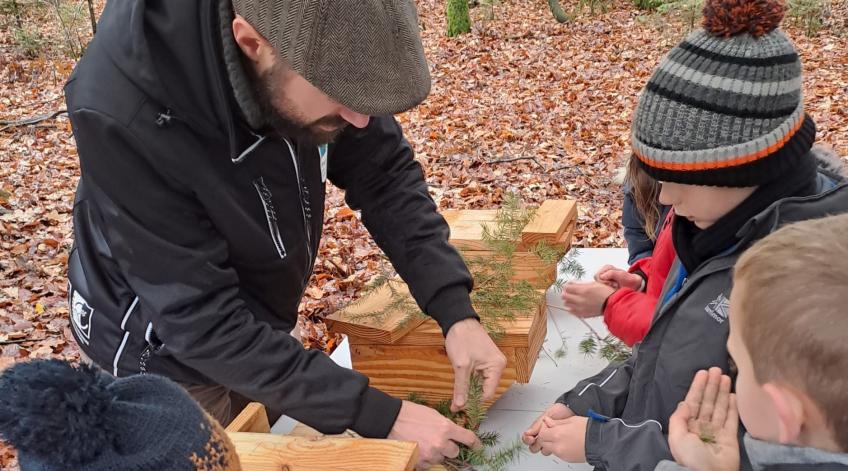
{"points": [[553, 223], [403, 355]]}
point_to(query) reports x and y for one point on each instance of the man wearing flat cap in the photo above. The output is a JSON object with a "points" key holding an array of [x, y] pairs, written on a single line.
{"points": [[207, 131]]}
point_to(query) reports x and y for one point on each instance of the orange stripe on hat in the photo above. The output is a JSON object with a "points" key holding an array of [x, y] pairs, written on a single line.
{"points": [[734, 162]]}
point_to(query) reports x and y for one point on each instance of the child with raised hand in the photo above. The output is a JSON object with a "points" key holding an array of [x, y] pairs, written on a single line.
{"points": [[787, 331], [722, 125], [627, 298]]}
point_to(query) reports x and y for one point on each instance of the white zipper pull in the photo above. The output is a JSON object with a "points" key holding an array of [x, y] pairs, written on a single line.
{"points": [[322, 152]]}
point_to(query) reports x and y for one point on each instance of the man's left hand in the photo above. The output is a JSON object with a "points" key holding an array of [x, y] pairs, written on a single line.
{"points": [[471, 350], [565, 438]]}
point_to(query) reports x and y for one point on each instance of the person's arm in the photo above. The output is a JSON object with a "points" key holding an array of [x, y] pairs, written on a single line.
{"points": [[628, 314], [619, 445], [376, 168], [177, 264], [639, 245], [605, 393]]}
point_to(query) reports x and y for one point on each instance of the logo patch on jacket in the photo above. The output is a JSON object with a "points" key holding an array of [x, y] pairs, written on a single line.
{"points": [[719, 308], [81, 313]]}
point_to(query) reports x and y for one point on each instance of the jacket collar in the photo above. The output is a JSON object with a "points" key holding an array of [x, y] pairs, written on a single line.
{"points": [[764, 455]]}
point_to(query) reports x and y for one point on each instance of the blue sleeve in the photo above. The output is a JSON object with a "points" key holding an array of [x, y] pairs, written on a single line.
{"points": [[639, 245]]}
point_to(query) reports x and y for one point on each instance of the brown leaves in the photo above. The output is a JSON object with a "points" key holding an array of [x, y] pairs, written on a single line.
{"points": [[558, 95]]}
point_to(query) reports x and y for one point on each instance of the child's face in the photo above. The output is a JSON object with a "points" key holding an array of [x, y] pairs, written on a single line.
{"points": [[703, 205], [755, 405]]}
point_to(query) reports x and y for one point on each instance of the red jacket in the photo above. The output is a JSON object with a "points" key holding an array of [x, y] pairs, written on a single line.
{"points": [[628, 313]]}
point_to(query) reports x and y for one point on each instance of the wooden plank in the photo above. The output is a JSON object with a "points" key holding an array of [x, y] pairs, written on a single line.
{"points": [[267, 452], [549, 222], [424, 370], [466, 227], [252, 418], [301, 430], [525, 358], [355, 322], [429, 333]]}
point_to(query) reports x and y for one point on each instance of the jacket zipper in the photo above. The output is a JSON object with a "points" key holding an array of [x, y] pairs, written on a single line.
{"points": [[306, 215]]}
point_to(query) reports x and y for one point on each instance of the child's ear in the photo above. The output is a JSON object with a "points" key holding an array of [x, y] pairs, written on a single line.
{"points": [[790, 412]]}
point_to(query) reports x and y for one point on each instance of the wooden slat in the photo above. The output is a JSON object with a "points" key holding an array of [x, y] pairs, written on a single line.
{"points": [[466, 227], [525, 358], [253, 418], [549, 222], [267, 452], [388, 331], [426, 371], [301, 430]]}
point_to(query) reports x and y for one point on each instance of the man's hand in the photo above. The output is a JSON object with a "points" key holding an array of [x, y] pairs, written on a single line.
{"points": [[702, 432], [565, 438], [557, 412], [436, 435], [618, 278], [471, 350], [586, 299]]}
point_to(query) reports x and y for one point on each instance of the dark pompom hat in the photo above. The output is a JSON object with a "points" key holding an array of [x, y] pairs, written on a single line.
{"points": [[62, 417]]}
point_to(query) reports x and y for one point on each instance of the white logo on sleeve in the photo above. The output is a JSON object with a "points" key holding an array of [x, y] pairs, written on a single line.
{"points": [[81, 313], [719, 308]]}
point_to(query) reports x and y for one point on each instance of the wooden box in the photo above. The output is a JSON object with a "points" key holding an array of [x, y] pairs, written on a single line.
{"points": [[418, 363], [553, 223]]}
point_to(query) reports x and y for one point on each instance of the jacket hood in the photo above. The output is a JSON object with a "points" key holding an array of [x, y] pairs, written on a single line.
{"points": [[170, 51]]}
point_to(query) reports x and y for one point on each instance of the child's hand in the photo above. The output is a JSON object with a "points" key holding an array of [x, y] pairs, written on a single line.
{"points": [[586, 299], [565, 438], [702, 432], [618, 278], [556, 411]]}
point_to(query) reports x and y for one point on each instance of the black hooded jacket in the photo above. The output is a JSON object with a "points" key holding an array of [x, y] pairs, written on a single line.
{"points": [[195, 235]]}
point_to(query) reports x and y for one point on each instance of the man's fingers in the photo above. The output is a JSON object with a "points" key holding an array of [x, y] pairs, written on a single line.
{"points": [[705, 414], [696, 393], [722, 403], [462, 376], [464, 436], [491, 378], [450, 450]]}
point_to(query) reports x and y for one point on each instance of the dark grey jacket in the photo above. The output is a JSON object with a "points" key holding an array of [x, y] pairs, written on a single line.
{"points": [[689, 333], [765, 456]]}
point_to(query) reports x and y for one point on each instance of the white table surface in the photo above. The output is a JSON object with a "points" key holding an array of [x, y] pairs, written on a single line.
{"points": [[522, 403]]}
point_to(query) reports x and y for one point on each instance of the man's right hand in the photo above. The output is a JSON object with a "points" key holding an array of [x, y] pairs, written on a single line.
{"points": [[437, 436], [557, 412]]}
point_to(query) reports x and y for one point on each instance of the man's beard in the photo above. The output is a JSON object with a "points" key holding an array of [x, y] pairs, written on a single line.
{"points": [[282, 118]]}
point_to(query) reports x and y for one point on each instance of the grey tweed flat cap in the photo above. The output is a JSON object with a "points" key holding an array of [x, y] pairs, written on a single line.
{"points": [[365, 54]]}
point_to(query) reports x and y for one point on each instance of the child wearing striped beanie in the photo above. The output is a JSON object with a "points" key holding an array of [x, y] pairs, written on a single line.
{"points": [[721, 124]]}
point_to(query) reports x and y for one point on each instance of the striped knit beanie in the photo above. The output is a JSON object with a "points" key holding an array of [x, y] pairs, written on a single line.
{"points": [[724, 108]]}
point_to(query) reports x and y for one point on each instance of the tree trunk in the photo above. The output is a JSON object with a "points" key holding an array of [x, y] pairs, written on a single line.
{"points": [[16, 11], [459, 22], [560, 14], [93, 17]]}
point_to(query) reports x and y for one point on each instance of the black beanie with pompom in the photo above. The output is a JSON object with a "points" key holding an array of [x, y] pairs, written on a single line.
{"points": [[61, 417]]}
